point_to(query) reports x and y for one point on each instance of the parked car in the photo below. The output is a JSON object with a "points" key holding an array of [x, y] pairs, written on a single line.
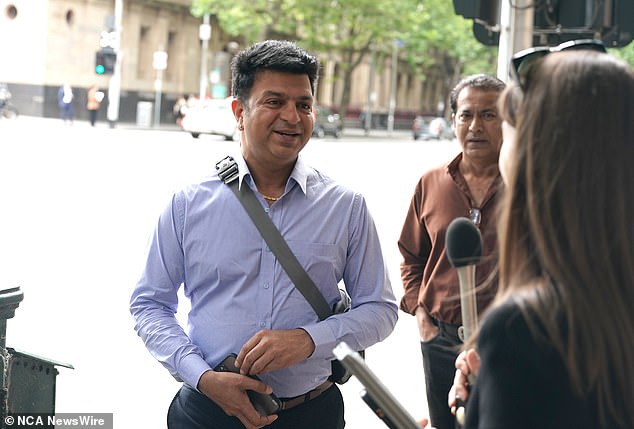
{"points": [[431, 127], [327, 122], [210, 117]]}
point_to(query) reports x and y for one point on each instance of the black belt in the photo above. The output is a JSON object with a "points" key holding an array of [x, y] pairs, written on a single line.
{"points": [[288, 403], [453, 331]]}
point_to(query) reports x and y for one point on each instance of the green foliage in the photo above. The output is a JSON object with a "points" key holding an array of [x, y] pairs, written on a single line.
{"points": [[435, 38], [438, 38], [345, 29], [626, 53], [254, 20], [435, 42], [331, 25], [433, 35]]}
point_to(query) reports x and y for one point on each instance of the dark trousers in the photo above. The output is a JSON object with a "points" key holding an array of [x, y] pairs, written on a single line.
{"points": [[192, 410], [93, 116], [66, 112], [439, 363]]}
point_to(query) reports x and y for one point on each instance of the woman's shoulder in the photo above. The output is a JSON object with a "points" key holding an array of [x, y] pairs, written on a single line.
{"points": [[502, 310], [505, 325]]}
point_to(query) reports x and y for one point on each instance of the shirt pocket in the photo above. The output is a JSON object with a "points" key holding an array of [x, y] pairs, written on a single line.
{"points": [[323, 265]]}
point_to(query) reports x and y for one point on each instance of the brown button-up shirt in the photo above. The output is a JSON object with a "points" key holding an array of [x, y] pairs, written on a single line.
{"points": [[428, 277]]}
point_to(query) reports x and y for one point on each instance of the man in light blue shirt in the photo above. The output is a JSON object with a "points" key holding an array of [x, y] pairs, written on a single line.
{"points": [[242, 301]]}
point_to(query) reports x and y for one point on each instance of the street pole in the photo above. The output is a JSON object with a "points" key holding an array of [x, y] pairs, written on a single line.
{"points": [[114, 86], [367, 122], [506, 41], [523, 20], [392, 105], [516, 32], [159, 62], [158, 84], [204, 34]]}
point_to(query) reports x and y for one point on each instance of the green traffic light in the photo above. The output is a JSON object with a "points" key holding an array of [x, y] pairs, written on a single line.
{"points": [[99, 69]]}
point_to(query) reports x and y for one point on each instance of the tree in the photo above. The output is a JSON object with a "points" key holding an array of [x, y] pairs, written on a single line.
{"points": [[350, 29], [626, 53], [441, 48], [438, 46], [344, 30], [254, 20]]}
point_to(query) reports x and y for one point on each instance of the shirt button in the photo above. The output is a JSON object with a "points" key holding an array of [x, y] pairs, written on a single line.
{"points": [[267, 209], [262, 324], [266, 285]]}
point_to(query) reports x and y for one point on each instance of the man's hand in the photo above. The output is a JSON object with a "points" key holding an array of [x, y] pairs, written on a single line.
{"points": [[228, 391], [426, 327], [467, 366], [269, 350]]}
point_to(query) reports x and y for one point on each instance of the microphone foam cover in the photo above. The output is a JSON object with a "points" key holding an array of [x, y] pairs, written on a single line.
{"points": [[464, 243]]}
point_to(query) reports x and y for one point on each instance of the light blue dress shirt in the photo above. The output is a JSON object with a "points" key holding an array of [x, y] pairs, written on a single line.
{"points": [[206, 243]]}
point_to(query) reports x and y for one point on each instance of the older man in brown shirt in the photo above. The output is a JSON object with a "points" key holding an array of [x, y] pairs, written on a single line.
{"points": [[465, 187]]}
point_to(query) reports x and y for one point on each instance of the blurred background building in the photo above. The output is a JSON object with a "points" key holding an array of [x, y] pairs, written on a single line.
{"points": [[44, 43]]}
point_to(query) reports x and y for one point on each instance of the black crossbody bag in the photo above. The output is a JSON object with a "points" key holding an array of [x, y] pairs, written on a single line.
{"points": [[228, 173]]}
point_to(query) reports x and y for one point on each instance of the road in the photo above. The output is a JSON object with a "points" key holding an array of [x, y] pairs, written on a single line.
{"points": [[78, 205]]}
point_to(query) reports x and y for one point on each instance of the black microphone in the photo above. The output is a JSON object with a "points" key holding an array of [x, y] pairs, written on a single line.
{"points": [[464, 249]]}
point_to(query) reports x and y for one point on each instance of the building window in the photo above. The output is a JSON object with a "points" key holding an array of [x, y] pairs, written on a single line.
{"points": [[70, 17], [145, 54], [11, 11], [170, 72]]}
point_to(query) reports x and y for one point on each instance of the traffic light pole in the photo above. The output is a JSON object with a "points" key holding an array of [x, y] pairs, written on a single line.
{"points": [[393, 84], [114, 88], [158, 87], [204, 34], [516, 32]]}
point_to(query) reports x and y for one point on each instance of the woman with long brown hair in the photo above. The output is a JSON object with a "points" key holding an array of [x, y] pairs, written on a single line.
{"points": [[556, 349]]}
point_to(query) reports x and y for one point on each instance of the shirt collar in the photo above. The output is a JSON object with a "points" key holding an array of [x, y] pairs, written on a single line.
{"points": [[299, 174], [452, 167]]}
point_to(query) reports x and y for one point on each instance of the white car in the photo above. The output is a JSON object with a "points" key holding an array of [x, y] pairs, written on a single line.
{"points": [[211, 117]]}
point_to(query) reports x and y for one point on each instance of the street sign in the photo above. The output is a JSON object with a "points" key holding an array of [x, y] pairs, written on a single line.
{"points": [[109, 39], [159, 61], [204, 32]]}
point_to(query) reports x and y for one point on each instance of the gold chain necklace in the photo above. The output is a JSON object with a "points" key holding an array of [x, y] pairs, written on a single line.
{"points": [[267, 198]]}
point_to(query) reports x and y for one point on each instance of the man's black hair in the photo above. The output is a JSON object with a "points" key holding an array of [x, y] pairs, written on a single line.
{"points": [[276, 55], [483, 82]]}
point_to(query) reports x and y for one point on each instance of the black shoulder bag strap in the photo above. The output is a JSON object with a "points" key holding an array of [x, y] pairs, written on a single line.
{"points": [[228, 173]]}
